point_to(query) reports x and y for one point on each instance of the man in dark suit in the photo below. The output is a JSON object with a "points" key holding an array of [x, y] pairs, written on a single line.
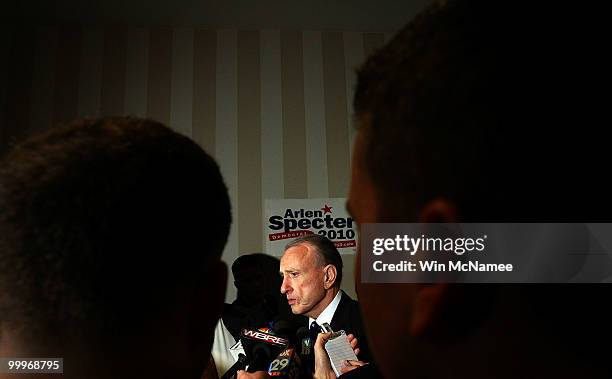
{"points": [[311, 268]]}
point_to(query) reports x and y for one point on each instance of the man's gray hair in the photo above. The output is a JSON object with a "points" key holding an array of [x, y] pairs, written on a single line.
{"points": [[326, 251]]}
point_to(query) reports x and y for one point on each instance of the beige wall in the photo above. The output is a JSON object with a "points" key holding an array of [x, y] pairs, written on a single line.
{"points": [[273, 107]]}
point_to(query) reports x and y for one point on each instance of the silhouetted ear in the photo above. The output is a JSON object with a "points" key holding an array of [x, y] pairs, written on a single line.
{"points": [[431, 300], [438, 211], [429, 304]]}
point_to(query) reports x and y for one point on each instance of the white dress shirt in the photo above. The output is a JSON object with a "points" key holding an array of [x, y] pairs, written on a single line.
{"points": [[328, 313]]}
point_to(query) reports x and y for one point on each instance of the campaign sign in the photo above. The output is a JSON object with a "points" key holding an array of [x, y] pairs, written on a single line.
{"points": [[287, 219]]}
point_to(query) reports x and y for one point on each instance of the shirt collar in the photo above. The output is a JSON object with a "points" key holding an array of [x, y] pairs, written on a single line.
{"points": [[328, 313]]}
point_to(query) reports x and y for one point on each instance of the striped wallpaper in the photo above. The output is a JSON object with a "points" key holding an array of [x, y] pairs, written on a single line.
{"points": [[273, 107]]}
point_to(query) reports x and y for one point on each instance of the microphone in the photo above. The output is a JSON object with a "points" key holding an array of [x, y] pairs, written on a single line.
{"points": [[303, 337], [262, 356], [261, 347], [268, 352], [283, 328], [286, 365], [239, 365], [302, 332], [305, 351]]}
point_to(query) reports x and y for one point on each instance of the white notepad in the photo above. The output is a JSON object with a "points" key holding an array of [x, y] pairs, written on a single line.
{"points": [[339, 350]]}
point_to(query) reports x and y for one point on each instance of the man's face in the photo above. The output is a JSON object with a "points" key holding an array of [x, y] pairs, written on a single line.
{"points": [[387, 308], [303, 280]]}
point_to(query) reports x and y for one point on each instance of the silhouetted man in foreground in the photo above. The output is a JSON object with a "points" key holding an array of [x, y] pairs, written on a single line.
{"points": [[111, 232], [481, 112]]}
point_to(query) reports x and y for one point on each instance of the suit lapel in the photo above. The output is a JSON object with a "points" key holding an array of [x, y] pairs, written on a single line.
{"points": [[339, 318]]}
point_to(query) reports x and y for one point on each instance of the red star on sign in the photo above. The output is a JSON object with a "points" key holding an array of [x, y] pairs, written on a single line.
{"points": [[327, 209]]}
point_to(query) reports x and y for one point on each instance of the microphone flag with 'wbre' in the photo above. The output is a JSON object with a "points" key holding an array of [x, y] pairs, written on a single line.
{"points": [[261, 348]]}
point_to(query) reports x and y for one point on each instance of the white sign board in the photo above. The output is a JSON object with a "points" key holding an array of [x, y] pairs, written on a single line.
{"points": [[286, 219]]}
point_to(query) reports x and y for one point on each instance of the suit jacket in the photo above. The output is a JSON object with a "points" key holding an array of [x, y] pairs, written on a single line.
{"points": [[348, 318]]}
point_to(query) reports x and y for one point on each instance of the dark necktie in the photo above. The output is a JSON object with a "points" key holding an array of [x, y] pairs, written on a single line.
{"points": [[315, 329]]}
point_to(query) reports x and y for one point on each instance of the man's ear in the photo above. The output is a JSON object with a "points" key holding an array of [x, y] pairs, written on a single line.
{"points": [[429, 304], [447, 311], [431, 300], [330, 276]]}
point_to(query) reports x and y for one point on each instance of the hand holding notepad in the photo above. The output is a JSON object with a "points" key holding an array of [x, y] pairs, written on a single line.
{"points": [[339, 350]]}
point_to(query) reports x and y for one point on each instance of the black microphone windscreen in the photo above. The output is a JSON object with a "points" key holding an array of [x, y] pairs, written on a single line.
{"points": [[239, 365], [302, 332], [284, 328], [261, 350], [261, 358]]}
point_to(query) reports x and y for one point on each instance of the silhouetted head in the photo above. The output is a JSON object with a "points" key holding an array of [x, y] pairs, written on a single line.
{"points": [[111, 232]]}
